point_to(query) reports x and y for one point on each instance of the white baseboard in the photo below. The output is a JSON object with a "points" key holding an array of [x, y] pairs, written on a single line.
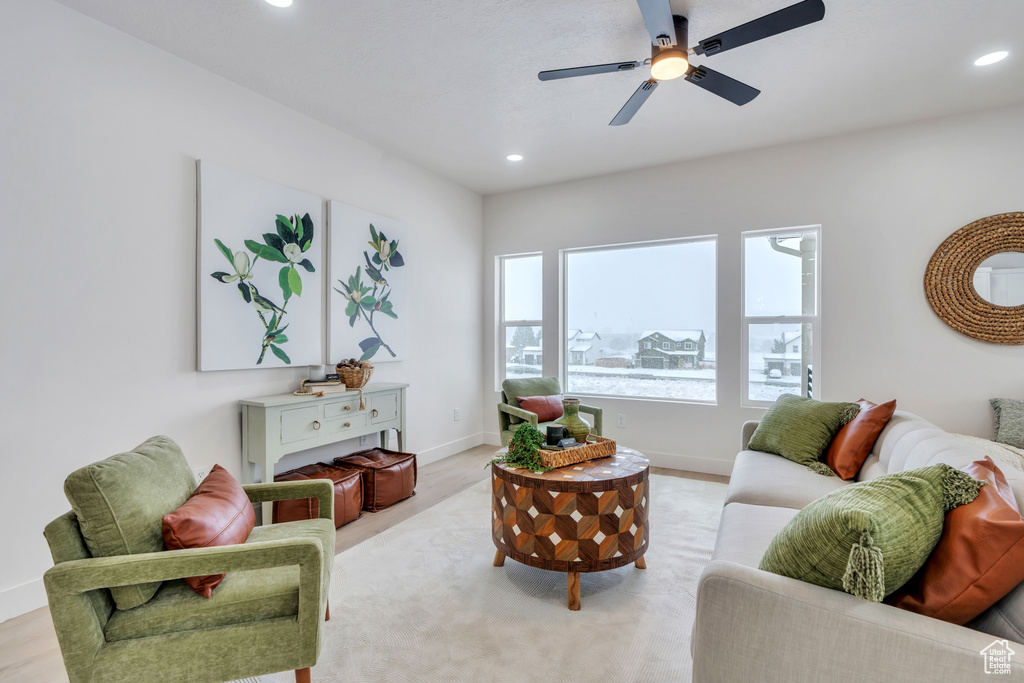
{"points": [[690, 463], [451, 448], [492, 438], [18, 600]]}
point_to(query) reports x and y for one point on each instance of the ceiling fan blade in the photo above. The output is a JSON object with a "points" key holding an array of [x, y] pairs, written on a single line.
{"points": [[721, 85], [658, 19], [587, 70], [794, 16], [634, 103]]}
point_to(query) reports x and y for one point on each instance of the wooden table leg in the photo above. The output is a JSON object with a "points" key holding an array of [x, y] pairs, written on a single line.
{"points": [[574, 591], [499, 558], [640, 563]]}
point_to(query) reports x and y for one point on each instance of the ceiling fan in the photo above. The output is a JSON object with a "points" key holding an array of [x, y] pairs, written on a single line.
{"points": [[669, 52]]}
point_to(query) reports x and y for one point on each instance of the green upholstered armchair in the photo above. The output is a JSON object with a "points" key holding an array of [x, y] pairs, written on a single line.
{"points": [[266, 615], [510, 414]]}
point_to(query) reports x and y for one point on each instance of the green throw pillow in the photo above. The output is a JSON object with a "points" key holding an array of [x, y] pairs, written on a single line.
{"points": [[1009, 421], [120, 503], [870, 538], [801, 429]]}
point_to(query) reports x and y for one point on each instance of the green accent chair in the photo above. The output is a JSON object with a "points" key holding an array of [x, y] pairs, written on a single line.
{"points": [[510, 414], [266, 616]]}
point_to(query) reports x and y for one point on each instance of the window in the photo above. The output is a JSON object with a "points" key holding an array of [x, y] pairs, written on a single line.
{"points": [[520, 307], [688, 346], [633, 306], [781, 314]]}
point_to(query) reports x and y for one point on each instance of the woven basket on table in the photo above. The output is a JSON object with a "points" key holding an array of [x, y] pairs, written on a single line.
{"points": [[597, 447], [355, 378]]}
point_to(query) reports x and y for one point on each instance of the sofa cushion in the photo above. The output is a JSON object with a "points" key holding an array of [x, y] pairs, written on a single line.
{"points": [[854, 442], [766, 479], [217, 513], [1009, 414], [870, 538], [979, 559], [120, 501], [801, 429], [746, 531], [242, 596]]}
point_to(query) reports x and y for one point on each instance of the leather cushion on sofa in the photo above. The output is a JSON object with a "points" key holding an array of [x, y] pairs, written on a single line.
{"points": [[530, 386], [854, 442], [979, 559], [760, 478], [746, 530], [547, 408], [217, 513], [120, 501]]}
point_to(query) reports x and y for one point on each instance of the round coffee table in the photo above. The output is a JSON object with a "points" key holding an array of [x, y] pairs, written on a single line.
{"points": [[587, 517]]}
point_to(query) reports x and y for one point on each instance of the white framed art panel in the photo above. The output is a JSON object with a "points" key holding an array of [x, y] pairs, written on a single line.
{"points": [[263, 306]]}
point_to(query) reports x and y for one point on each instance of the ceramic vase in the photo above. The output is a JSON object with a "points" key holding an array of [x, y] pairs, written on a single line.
{"points": [[577, 427]]}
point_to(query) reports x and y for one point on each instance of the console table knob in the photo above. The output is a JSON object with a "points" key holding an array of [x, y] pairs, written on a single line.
{"points": [[374, 413], [316, 424], [348, 407], [348, 424]]}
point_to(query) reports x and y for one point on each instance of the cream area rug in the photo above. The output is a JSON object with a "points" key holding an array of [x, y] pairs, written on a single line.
{"points": [[422, 601]]}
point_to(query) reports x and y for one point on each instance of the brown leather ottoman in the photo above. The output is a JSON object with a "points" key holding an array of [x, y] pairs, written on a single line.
{"points": [[388, 476], [348, 495]]}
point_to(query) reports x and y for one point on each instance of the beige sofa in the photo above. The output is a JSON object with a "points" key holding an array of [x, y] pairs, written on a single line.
{"points": [[756, 626]]}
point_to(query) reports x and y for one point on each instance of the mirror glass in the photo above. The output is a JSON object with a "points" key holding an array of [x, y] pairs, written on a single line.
{"points": [[999, 279]]}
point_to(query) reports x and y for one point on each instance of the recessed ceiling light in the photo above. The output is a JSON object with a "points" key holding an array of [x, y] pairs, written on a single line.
{"points": [[280, 3], [991, 58], [515, 157]]}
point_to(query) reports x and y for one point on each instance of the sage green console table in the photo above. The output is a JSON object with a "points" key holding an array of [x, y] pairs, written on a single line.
{"points": [[274, 426]]}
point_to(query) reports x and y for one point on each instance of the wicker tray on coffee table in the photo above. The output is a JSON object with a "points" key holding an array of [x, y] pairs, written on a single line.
{"points": [[596, 447]]}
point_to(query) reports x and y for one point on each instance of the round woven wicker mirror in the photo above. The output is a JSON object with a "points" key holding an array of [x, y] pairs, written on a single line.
{"points": [[949, 280]]}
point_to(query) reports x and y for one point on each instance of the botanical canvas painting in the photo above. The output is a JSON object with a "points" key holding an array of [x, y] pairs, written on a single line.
{"points": [[368, 294], [260, 272]]}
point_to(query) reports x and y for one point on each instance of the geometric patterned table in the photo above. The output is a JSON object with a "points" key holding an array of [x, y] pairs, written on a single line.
{"points": [[586, 517]]}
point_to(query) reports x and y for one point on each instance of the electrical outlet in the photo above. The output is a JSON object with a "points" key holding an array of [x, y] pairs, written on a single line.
{"points": [[364, 440], [456, 414], [201, 473], [622, 421]]}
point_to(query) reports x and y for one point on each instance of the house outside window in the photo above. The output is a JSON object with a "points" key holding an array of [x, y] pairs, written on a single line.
{"points": [[519, 317], [638, 345], [781, 314]]}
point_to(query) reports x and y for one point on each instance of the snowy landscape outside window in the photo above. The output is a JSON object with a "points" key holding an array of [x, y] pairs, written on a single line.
{"points": [[520, 316], [781, 314], [640, 320]]}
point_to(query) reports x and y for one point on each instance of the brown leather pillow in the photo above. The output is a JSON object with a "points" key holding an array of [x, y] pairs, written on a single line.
{"points": [[979, 558], [217, 513], [853, 444], [547, 408]]}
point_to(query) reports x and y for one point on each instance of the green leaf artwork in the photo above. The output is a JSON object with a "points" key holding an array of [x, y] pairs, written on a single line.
{"points": [[292, 239], [367, 299]]}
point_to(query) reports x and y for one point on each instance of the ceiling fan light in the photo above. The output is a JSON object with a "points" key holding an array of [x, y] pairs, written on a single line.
{"points": [[991, 58], [669, 64]]}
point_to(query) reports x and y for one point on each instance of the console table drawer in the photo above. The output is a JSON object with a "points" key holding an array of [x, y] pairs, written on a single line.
{"points": [[383, 408], [348, 422], [344, 408], [299, 424]]}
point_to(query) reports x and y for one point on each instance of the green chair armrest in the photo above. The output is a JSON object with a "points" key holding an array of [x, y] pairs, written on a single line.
{"points": [[518, 412], [321, 489], [598, 414], [79, 576]]}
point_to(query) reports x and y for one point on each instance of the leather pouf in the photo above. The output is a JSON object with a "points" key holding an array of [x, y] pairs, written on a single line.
{"points": [[388, 476], [348, 495]]}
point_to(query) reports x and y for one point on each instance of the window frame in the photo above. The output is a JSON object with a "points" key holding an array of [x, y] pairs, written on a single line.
{"points": [[746, 321], [563, 315], [500, 323]]}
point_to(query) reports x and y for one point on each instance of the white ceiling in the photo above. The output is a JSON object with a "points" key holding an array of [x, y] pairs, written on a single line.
{"points": [[452, 84]]}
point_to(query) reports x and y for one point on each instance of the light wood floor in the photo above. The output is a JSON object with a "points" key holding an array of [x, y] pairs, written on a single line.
{"points": [[28, 644]]}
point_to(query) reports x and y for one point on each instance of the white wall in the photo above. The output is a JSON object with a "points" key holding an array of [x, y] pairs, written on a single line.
{"points": [[885, 199], [98, 139]]}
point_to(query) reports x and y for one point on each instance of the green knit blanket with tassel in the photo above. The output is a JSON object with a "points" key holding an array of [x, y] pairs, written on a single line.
{"points": [[870, 538]]}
